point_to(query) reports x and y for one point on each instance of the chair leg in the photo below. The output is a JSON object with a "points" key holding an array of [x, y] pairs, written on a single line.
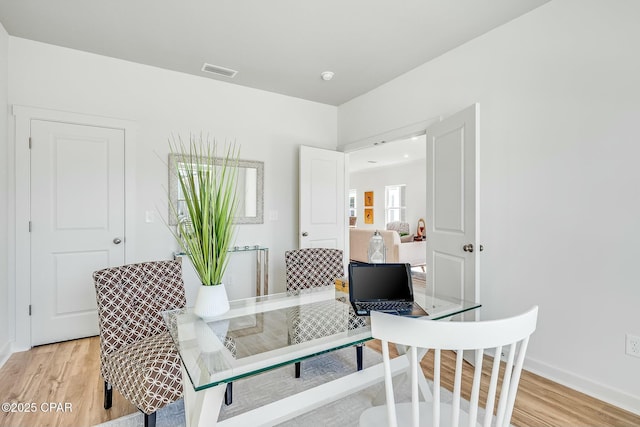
{"points": [[108, 395], [228, 394], [150, 420], [297, 369], [359, 356]]}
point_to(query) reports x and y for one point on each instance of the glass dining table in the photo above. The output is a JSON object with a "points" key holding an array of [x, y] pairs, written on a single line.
{"points": [[266, 332]]}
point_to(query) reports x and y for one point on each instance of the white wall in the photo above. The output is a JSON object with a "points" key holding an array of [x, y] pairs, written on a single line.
{"points": [[267, 126], [559, 110], [5, 324], [412, 174]]}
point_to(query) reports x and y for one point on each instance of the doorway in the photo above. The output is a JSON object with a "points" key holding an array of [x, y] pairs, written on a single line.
{"points": [[451, 193], [394, 174], [374, 170]]}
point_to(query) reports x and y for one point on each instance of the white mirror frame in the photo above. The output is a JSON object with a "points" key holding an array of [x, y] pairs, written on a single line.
{"points": [[174, 159]]}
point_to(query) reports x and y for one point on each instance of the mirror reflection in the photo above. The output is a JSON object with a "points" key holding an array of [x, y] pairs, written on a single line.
{"points": [[250, 188]]}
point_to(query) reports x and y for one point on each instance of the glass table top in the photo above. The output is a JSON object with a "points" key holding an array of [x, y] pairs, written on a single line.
{"points": [[266, 332]]}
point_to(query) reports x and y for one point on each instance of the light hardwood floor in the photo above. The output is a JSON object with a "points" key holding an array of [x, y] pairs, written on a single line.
{"points": [[69, 373]]}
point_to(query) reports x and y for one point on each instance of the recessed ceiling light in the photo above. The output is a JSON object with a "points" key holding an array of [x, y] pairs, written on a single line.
{"points": [[326, 75], [406, 156], [221, 71]]}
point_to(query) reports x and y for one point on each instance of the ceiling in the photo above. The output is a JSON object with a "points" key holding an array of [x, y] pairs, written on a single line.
{"points": [[385, 154], [280, 46]]}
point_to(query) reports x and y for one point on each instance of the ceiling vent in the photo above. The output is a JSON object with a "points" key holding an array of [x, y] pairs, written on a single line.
{"points": [[221, 71]]}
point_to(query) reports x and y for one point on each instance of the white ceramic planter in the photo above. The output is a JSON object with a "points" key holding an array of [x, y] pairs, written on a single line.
{"points": [[211, 301]]}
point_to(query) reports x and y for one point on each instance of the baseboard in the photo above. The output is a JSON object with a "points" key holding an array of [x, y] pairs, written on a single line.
{"points": [[5, 352], [599, 391]]}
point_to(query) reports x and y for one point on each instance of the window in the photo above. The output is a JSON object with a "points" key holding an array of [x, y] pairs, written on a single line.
{"points": [[352, 202], [394, 203]]}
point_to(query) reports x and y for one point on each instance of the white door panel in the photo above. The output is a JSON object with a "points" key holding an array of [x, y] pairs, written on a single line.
{"points": [[448, 183], [452, 205], [77, 210], [322, 199], [71, 293]]}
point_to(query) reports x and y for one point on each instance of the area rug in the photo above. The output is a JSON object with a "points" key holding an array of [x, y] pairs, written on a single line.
{"points": [[252, 392], [267, 387]]}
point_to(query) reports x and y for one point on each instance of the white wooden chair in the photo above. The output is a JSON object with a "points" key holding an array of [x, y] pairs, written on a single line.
{"points": [[510, 336]]}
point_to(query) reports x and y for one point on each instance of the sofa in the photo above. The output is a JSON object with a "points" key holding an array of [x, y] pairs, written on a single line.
{"points": [[414, 253]]}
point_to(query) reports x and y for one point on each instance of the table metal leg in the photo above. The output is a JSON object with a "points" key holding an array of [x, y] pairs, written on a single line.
{"points": [[266, 272], [262, 272], [228, 394]]}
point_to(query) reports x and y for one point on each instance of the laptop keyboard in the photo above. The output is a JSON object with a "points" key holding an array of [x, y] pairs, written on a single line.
{"points": [[386, 305]]}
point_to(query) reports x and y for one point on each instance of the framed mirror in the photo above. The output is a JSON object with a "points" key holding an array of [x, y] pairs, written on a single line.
{"points": [[250, 190]]}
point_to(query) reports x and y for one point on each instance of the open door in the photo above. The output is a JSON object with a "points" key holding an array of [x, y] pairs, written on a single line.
{"points": [[322, 216], [452, 205]]}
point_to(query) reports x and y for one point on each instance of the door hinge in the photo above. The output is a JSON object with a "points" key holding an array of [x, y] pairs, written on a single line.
{"points": [[29, 226], [29, 143], [29, 309]]}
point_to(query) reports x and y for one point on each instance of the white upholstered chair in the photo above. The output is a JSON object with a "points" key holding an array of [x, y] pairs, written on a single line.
{"points": [[509, 336]]}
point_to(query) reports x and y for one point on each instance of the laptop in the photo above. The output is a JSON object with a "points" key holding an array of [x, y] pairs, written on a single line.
{"points": [[382, 287]]}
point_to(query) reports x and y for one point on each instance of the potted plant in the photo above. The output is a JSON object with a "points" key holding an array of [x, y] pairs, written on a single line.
{"points": [[205, 231]]}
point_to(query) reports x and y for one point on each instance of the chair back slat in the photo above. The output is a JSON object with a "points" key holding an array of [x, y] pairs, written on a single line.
{"points": [[415, 401], [457, 387], [506, 382], [493, 386], [513, 389], [483, 337], [475, 388], [388, 386], [436, 386]]}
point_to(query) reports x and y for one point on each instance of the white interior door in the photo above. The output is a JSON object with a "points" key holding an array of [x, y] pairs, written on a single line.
{"points": [[322, 217], [452, 205], [77, 224]]}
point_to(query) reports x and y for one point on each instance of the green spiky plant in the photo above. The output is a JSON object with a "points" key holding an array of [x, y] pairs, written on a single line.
{"points": [[208, 184]]}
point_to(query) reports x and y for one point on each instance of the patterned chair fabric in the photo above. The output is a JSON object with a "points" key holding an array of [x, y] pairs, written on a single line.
{"points": [[137, 354], [320, 320], [313, 267]]}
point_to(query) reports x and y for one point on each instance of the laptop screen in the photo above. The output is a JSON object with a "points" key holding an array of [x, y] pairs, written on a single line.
{"points": [[380, 282]]}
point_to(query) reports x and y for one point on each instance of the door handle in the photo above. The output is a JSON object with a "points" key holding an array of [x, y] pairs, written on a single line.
{"points": [[117, 240], [305, 234], [469, 248]]}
